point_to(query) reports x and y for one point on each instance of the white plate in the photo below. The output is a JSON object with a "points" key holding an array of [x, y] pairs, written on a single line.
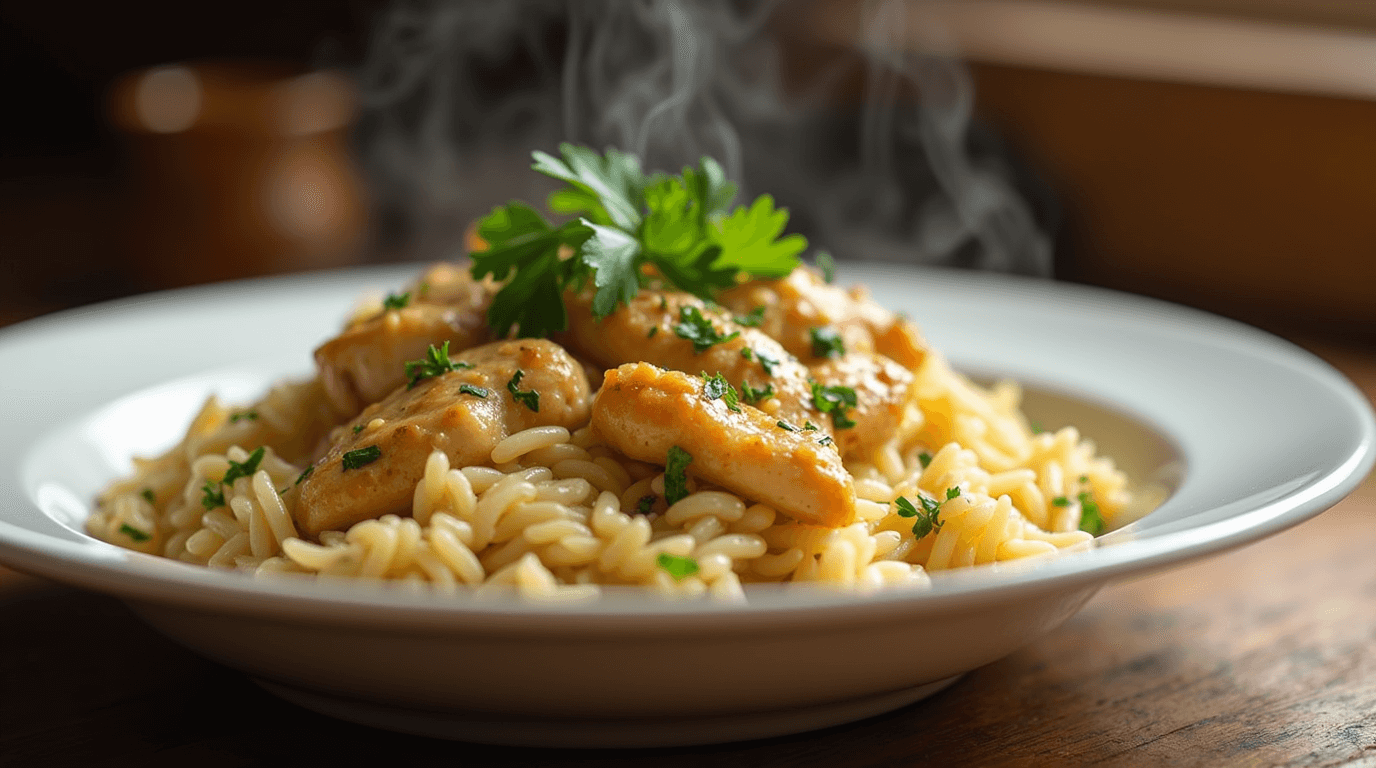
{"points": [[1251, 435]]}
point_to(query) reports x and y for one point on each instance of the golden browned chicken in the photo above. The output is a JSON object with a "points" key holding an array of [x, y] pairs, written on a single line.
{"points": [[801, 303], [367, 360], [643, 411], [375, 465]]}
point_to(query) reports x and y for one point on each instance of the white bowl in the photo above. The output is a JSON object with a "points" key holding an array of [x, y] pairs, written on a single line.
{"points": [[1249, 434]]}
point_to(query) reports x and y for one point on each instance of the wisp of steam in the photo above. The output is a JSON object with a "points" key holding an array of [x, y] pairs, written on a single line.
{"points": [[457, 93]]}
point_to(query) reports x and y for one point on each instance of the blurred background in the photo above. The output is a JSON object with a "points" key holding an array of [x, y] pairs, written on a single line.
{"points": [[1218, 153]]}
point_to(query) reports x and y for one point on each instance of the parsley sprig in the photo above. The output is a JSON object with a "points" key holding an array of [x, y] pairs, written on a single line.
{"points": [[625, 220], [529, 397], [834, 400], [435, 363], [698, 329], [676, 474], [718, 388], [928, 515], [826, 342]]}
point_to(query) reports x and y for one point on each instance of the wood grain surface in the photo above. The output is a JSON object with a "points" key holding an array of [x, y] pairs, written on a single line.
{"points": [[1262, 656]]}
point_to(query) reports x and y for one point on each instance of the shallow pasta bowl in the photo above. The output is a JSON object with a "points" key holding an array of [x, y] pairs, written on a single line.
{"points": [[1244, 434]]}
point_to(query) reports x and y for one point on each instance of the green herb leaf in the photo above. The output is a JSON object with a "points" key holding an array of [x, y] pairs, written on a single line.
{"points": [[747, 353], [826, 440], [925, 459], [717, 387], [246, 469], [927, 515], [698, 329], [767, 362], [435, 363], [826, 343], [676, 474], [785, 426], [645, 504], [653, 330], [134, 533], [358, 428], [1091, 520], [212, 496], [609, 189], [753, 319], [834, 400], [523, 247], [469, 389], [750, 240], [1060, 501], [235, 418], [752, 395], [361, 457], [678, 567], [828, 266], [529, 397], [611, 253], [305, 473], [147, 494], [396, 301]]}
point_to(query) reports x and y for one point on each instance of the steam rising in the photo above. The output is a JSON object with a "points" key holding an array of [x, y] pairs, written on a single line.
{"points": [[457, 93]]}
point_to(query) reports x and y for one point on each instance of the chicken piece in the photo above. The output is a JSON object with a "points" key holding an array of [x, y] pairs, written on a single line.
{"points": [[643, 411], [802, 301], [626, 336], [368, 360], [445, 413]]}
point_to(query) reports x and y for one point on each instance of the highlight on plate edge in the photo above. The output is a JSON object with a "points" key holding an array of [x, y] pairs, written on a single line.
{"points": [[655, 393]]}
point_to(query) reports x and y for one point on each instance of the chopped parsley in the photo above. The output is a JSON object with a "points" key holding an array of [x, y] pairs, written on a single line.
{"points": [[753, 319], [1091, 521], [809, 427], [747, 353], [529, 397], [753, 395], [698, 329], [134, 533], [211, 495], [435, 363], [147, 494], [396, 301], [718, 388], [925, 459], [767, 362], [235, 418], [785, 426], [1061, 501], [828, 266], [678, 567], [246, 469], [826, 440], [358, 428], [663, 303], [676, 474], [653, 330], [834, 400], [645, 504], [927, 515], [621, 220], [1036, 427], [305, 473], [826, 342], [361, 457], [469, 389]]}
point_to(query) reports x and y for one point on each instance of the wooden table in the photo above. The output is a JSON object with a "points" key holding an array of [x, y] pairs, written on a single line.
{"points": [[1262, 656]]}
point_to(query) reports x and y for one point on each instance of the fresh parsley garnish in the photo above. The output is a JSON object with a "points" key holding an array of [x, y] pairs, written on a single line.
{"points": [[927, 515], [469, 389], [396, 301], [676, 474], [1091, 521], [925, 459], [834, 400], [435, 363], [679, 567], [361, 457], [1060, 501], [134, 533], [1036, 427], [698, 329], [828, 266], [785, 426], [358, 428], [718, 388], [752, 395], [529, 397], [753, 319], [826, 343], [211, 495], [623, 220], [645, 504], [305, 473], [147, 494], [235, 418], [809, 427], [651, 333], [245, 469], [767, 362], [826, 440]]}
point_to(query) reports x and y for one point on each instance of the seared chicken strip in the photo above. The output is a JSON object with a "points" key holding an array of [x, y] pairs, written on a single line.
{"points": [[796, 305], [374, 467], [650, 329], [643, 411], [367, 360]]}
